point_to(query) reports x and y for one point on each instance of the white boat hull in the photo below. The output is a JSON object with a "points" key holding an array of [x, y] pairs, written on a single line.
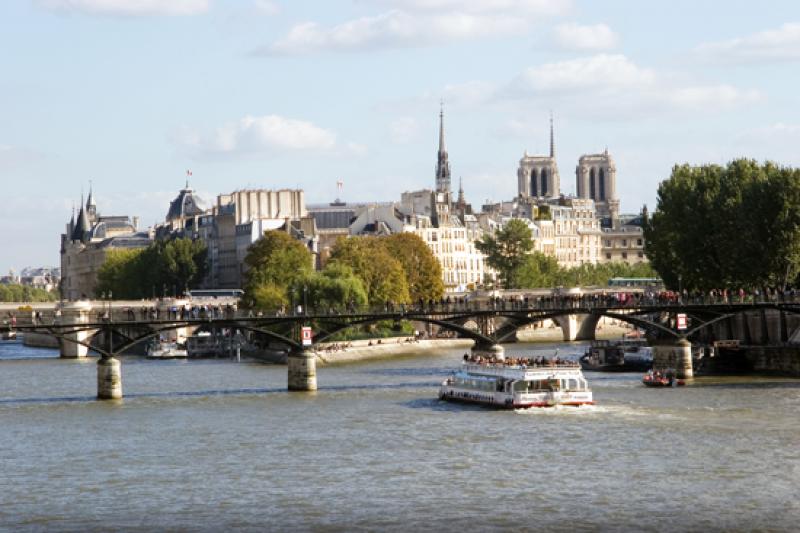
{"points": [[515, 401]]}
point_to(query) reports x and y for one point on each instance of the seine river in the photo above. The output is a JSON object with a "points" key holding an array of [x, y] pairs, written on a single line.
{"points": [[207, 445]]}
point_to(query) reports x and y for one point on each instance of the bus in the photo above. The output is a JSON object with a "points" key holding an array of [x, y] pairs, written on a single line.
{"points": [[216, 293], [637, 283]]}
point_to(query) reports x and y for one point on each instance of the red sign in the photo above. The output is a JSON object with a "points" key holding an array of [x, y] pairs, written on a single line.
{"points": [[306, 335], [681, 321]]}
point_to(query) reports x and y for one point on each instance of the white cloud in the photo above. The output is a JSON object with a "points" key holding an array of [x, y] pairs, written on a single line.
{"points": [[265, 135], [778, 132], [128, 7], [415, 23], [711, 97], [404, 130], [781, 44], [614, 87], [594, 73], [393, 29], [572, 36], [266, 7], [520, 7]]}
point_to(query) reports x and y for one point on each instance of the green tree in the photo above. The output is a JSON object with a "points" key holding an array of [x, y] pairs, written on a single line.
{"points": [[275, 262], [163, 267], [539, 270], [381, 273], [507, 251], [335, 288], [422, 269], [122, 274], [181, 263], [732, 226], [23, 293]]}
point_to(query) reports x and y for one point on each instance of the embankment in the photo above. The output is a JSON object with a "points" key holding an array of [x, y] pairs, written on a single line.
{"points": [[365, 350]]}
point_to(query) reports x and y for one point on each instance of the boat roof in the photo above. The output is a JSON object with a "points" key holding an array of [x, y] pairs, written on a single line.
{"points": [[521, 372]]}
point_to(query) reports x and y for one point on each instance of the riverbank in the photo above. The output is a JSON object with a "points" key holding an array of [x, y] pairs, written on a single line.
{"points": [[372, 349]]}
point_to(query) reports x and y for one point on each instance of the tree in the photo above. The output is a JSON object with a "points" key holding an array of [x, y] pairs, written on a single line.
{"points": [[164, 266], [275, 262], [507, 251], [121, 274], [732, 226], [381, 273], [23, 293], [539, 270], [181, 263], [336, 287], [422, 270]]}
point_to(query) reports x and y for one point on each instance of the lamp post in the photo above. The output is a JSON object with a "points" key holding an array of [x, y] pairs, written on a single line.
{"points": [[305, 300]]}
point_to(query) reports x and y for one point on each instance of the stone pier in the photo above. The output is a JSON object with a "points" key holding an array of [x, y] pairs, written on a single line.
{"points": [[302, 370], [676, 355], [109, 379], [75, 313]]}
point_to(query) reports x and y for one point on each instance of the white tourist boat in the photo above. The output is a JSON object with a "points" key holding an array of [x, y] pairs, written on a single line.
{"points": [[166, 350], [517, 384]]}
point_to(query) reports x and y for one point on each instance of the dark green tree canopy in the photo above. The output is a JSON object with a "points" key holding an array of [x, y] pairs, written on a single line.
{"points": [[164, 267], [731, 226]]}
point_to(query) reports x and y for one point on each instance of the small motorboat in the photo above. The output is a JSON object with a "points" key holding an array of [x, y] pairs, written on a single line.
{"points": [[662, 378]]}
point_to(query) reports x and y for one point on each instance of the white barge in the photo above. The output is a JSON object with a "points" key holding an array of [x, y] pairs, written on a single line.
{"points": [[518, 386]]}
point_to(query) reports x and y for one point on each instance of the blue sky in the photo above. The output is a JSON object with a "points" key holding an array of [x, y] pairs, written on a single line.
{"points": [[280, 94]]}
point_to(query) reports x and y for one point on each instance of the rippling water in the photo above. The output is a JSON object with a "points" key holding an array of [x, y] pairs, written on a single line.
{"points": [[206, 445]]}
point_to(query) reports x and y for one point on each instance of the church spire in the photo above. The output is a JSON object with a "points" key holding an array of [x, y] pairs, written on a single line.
{"points": [[441, 128], [552, 138], [442, 164]]}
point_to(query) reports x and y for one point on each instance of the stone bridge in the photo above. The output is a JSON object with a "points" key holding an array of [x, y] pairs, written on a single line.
{"points": [[669, 326]]}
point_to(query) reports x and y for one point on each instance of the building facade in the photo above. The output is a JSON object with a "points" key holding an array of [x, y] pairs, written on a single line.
{"points": [[87, 242]]}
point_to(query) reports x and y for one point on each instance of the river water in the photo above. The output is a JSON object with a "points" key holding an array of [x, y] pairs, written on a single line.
{"points": [[206, 445]]}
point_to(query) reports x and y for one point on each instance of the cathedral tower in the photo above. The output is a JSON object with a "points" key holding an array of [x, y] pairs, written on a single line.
{"points": [[537, 175], [596, 178]]}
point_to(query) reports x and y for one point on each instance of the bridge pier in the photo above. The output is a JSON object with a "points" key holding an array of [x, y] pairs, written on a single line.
{"points": [[302, 370], [677, 355], [75, 313], [109, 379]]}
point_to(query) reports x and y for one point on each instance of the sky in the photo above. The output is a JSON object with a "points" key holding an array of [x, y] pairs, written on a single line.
{"points": [[130, 94]]}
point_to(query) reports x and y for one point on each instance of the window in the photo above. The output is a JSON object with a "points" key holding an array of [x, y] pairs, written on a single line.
{"points": [[608, 256], [639, 242], [624, 255]]}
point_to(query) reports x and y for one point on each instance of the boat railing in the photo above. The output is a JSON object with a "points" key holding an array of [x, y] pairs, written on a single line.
{"points": [[482, 367]]}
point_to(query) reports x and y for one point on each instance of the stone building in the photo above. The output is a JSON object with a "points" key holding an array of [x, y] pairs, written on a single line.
{"points": [[537, 175], [576, 232], [87, 242], [596, 178], [624, 241], [239, 219], [183, 216]]}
